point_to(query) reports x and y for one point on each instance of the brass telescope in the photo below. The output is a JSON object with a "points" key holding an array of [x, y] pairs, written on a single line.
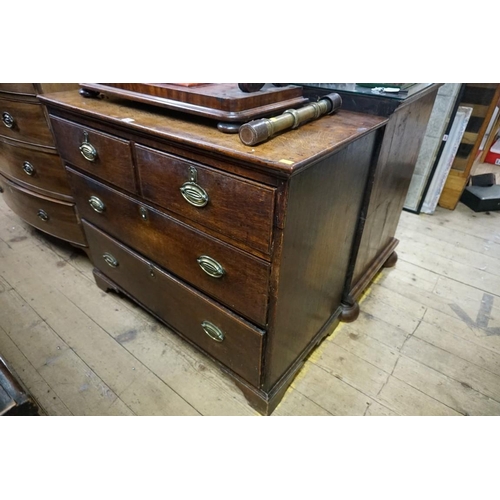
{"points": [[257, 131]]}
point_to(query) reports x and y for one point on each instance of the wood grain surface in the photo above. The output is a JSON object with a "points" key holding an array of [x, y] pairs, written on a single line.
{"points": [[283, 155], [129, 363], [176, 247]]}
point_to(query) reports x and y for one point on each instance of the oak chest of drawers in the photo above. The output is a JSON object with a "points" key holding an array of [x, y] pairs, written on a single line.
{"points": [[32, 176], [243, 251]]}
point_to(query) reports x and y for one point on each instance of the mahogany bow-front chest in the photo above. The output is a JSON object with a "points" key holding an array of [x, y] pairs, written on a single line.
{"points": [[32, 177]]}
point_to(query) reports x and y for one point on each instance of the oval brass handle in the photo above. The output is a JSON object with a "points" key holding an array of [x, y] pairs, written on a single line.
{"points": [[110, 260], [214, 332], [7, 119], [211, 266], [194, 194], [43, 215], [97, 204], [89, 152], [28, 168]]}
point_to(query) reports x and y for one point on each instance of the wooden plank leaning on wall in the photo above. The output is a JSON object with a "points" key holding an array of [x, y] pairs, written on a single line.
{"points": [[482, 97]]}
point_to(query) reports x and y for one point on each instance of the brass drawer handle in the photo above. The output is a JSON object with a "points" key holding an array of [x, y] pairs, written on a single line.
{"points": [[110, 260], [7, 119], [43, 215], [28, 168], [97, 204], [211, 266], [214, 332], [192, 192], [89, 152]]}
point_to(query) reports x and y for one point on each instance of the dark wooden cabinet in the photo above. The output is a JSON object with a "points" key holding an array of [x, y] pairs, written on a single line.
{"points": [[32, 175], [407, 114], [245, 252]]}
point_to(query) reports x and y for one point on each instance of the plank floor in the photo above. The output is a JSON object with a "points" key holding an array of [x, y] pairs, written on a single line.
{"points": [[427, 341]]}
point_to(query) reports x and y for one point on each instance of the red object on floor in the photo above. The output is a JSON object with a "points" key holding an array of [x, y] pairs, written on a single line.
{"points": [[493, 155]]}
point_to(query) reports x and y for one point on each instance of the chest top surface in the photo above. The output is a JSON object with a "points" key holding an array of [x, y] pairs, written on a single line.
{"points": [[282, 155]]}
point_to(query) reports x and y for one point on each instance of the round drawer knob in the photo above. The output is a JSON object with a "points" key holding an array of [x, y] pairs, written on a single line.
{"points": [[88, 151], [28, 168], [110, 260], [214, 332], [211, 266], [7, 119], [97, 204], [43, 215]]}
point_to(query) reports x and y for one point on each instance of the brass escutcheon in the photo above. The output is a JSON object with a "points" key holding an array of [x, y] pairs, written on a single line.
{"points": [[143, 212]]}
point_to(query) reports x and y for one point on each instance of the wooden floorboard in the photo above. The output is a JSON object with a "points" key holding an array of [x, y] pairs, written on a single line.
{"points": [[427, 341]]}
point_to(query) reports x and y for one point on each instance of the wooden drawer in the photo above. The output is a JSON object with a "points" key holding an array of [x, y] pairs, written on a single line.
{"points": [[232, 206], [177, 247], [54, 217], [35, 168], [180, 306], [18, 88], [112, 156], [24, 121]]}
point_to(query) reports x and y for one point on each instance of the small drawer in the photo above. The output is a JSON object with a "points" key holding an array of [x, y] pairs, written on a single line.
{"points": [[19, 88], [235, 278], [24, 121], [225, 336], [35, 168], [238, 208], [54, 217], [104, 156]]}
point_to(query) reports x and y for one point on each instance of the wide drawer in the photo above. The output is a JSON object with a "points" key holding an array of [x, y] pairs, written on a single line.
{"points": [[235, 207], [54, 217], [102, 155], [223, 335], [24, 121], [236, 278], [41, 170]]}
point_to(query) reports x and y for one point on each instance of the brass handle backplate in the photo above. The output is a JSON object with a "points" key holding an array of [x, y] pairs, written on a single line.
{"points": [[43, 215], [110, 260], [211, 266], [8, 119], [192, 192], [214, 332], [28, 168], [97, 204], [89, 152]]}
